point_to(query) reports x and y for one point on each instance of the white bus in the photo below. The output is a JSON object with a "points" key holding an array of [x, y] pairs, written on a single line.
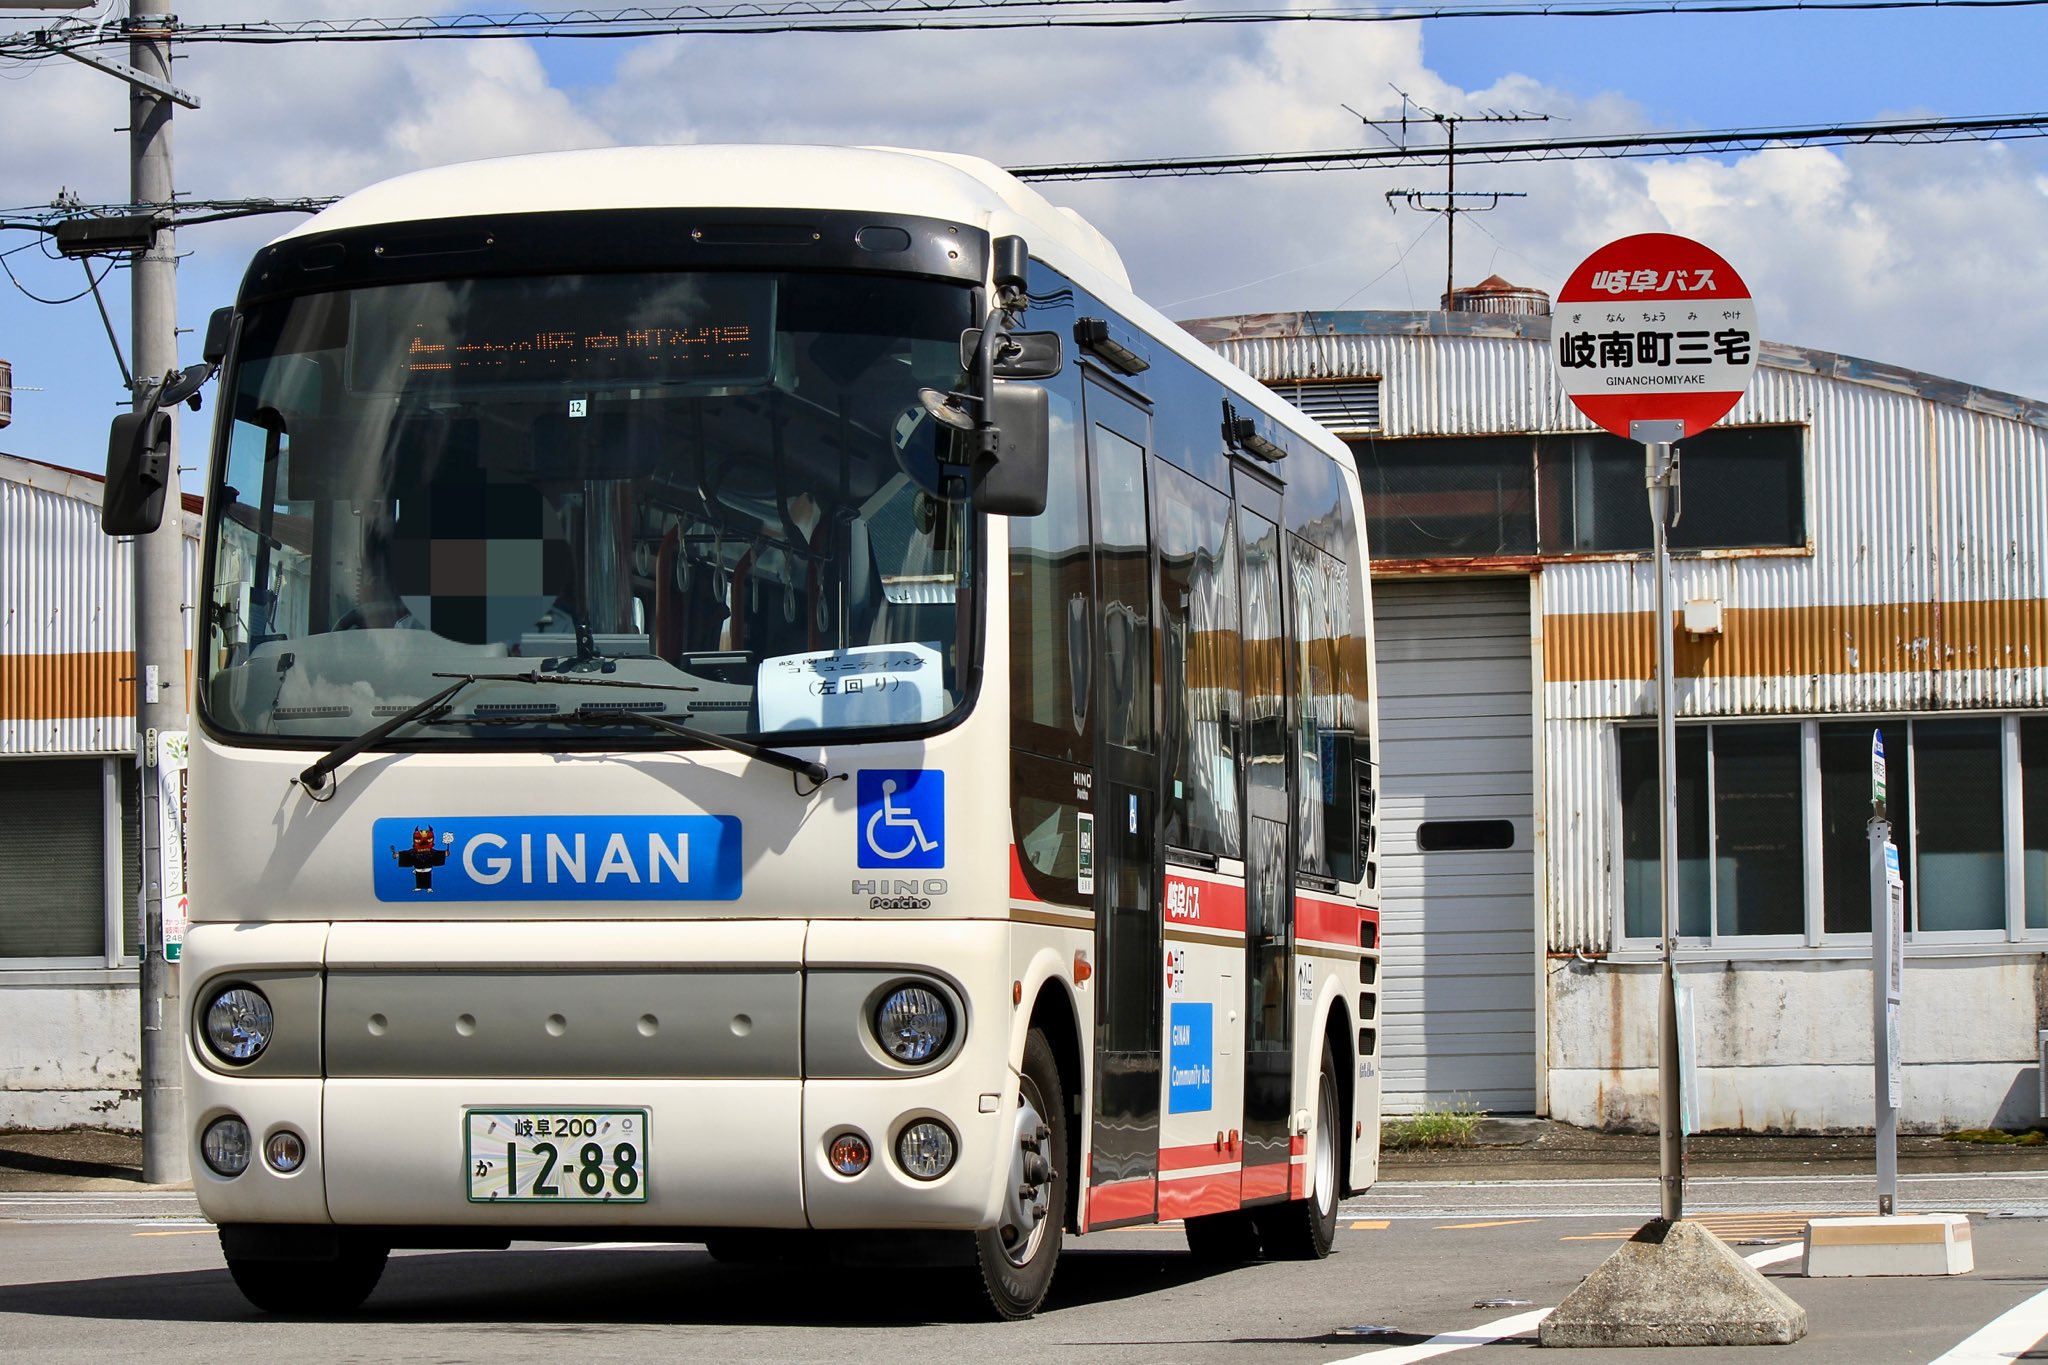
{"points": [[758, 696]]}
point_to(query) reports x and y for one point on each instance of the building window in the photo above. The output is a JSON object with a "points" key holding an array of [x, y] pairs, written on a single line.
{"points": [[65, 894], [1572, 494], [1746, 870]]}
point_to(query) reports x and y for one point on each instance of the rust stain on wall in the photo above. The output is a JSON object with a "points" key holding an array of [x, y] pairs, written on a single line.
{"points": [[1902, 637]]}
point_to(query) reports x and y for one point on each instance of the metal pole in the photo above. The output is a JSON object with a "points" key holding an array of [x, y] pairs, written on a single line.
{"points": [[160, 629], [1883, 1006], [1661, 475]]}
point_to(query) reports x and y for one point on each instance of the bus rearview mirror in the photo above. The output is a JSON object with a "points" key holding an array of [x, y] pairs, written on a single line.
{"points": [[1019, 355], [138, 472], [1013, 481]]}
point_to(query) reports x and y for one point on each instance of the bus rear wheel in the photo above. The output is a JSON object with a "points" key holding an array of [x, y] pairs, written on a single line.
{"points": [[1017, 1256], [306, 1289], [1306, 1229]]}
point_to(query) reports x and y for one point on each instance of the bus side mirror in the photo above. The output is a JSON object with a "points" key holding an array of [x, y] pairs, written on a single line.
{"points": [[1012, 482], [218, 327], [138, 472]]}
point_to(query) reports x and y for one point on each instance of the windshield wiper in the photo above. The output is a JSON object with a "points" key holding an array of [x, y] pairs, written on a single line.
{"points": [[315, 778], [801, 767]]}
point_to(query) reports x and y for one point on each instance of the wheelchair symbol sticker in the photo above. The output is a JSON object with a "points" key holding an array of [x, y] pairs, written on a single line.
{"points": [[902, 819]]}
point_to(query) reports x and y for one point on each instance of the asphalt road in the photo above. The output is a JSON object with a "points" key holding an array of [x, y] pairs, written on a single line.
{"points": [[104, 1275]]}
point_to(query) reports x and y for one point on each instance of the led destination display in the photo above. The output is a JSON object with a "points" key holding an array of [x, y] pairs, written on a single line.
{"points": [[595, 330]]}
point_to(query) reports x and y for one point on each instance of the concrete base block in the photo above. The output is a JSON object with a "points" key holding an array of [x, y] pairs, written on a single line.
{"points": [[1902, 1244], [1674, 1284]]}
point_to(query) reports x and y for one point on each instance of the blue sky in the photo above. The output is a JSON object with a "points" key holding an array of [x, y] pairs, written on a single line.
{"points": [[1926, 257]]}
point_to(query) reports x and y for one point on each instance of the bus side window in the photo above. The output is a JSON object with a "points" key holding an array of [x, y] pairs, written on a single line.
{"points": [[1200, 652], [1050, 595], [1326, 831]]}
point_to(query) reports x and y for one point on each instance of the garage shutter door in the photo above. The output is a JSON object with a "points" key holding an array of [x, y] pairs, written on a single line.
{"points": [[52, 881], [1456, 825]]}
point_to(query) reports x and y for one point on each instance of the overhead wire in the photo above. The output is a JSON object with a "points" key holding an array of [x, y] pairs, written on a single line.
{"points": [[880, 16]]}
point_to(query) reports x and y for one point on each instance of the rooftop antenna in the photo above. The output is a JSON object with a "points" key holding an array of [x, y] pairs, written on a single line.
{"points": [[1453, 200]]}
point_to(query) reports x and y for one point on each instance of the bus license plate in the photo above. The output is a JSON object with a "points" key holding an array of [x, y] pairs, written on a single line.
{"points": [[556, 1156]]}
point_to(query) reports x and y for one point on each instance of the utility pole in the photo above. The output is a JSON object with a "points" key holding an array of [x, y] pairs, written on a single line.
{"points": [[161, 630]]}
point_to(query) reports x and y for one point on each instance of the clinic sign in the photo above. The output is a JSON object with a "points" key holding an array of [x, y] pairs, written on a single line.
{"points": [[1654, 327]]}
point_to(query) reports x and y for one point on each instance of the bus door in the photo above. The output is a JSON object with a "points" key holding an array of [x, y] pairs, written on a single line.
{"points": [[1269, 892], [1124, 1163]]}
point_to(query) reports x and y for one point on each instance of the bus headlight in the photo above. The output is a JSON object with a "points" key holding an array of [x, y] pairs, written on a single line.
{"points": [[239, 1024], [913, 1024], [225, 1145], [926, 1149]]}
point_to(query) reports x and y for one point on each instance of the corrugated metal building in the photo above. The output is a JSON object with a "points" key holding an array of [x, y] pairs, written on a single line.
{"points": [[1860, 547], [69, 867]]}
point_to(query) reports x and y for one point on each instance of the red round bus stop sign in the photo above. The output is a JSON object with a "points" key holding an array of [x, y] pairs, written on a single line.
{"points": [[1654, 328]]}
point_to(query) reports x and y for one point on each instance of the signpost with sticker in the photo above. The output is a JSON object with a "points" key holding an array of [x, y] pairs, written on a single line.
{"points": [[1654, 337]]}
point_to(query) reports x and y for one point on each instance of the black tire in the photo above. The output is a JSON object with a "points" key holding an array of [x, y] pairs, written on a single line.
{"points": [[1223, 1238], [1306, 1229], [308, 1289], [1016, 1270]]}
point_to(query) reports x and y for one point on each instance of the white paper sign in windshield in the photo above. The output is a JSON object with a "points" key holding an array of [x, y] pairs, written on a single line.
{"points": [[838, 688]]}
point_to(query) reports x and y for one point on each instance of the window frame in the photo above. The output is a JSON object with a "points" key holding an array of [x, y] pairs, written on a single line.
{"points": [[1900, 731], [1542, 492]]}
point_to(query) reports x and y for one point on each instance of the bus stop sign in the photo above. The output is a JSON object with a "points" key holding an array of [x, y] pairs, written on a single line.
{"points": [[1654, 327]]}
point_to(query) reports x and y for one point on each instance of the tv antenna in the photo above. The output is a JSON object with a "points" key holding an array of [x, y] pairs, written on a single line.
{"points": [[1450, 201]]}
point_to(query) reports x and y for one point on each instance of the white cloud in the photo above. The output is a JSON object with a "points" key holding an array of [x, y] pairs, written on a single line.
{"points": [[1918, 256]]}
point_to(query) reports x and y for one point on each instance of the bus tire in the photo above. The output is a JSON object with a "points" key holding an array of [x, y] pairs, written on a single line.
{"points": [[1306, 1229], [304, 1289], [1223, 1238], [1017, 1262]]}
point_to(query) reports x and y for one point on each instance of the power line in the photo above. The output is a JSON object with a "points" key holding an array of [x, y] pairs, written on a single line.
{"points": [[1993, 128], [1923, 132], [887, 16]]}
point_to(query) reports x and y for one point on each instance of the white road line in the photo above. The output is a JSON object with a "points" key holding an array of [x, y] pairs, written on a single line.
{"points": [[1697, 1181], [1999, 1341], [1447, 1342], [1488, 1332]]}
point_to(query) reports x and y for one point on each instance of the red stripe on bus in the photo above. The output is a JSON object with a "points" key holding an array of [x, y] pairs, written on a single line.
{"points": [[1020, 889], [1193, 1196], [1298, 1185], [1262, 1182], [1327, 921], [1202, 902], [1123, 1200], [1188, 1158], [1297, 1145]]}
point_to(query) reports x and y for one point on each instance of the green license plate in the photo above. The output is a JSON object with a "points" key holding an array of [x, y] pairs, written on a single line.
{"points": [[556, 1156]]}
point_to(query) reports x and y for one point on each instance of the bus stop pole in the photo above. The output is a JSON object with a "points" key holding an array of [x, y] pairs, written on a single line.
{"points": [[1660, 470]]}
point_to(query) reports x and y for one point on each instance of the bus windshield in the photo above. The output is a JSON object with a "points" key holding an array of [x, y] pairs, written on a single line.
{"points": [[719, 485]]}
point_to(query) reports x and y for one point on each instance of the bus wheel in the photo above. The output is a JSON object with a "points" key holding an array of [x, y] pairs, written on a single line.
{"points": [[1305, 1229], [310, 1288], [1017, 1256], [1223, 1238]]}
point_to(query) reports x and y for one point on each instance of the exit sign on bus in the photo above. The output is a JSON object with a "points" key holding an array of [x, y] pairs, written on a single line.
{"points": [[1654, 328]]}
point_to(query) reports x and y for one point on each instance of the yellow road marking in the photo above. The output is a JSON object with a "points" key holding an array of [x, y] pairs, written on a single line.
{"points": [[1369, 1225], [1504, 1223]]}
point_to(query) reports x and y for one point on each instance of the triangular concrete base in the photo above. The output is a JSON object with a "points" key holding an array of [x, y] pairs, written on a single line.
{"points": [[1674, 1284]]}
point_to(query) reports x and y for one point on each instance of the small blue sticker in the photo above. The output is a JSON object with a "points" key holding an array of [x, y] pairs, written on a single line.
{"points": [[1190, 1057], [902, 818]]}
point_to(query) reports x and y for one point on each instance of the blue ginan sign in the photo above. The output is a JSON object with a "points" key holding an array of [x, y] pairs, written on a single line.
{"points": [[555, 858], [1190, 1058]]}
